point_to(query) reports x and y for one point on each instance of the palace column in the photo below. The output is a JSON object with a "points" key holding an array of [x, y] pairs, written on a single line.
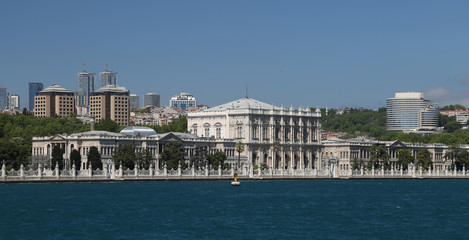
{"points": [[301, 158], [282, 158], [318, 159], [292, 157]]}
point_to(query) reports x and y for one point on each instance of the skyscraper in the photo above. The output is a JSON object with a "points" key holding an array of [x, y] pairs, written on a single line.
{"points": [[14, 101], [85, 87], [183, 101], [34, 87], [151, 99], [107, 78], [134, 101], [409, 111], [3, 98]]}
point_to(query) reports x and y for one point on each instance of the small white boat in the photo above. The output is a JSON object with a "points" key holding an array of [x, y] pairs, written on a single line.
{"points": [[235, 183]]}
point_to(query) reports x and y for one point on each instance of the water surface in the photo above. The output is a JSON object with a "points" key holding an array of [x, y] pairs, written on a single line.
{"points": [[341, 209]]}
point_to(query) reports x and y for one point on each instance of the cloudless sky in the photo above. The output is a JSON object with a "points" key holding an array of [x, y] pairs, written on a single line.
{"points": [[301, 53]]}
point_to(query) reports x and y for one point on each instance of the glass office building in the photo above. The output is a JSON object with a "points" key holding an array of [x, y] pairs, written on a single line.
{"points": [[411, 112], [151, 99], [34, 87]]}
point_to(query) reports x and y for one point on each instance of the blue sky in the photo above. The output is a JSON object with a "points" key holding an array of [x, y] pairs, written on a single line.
{"points": [[300, 53]]}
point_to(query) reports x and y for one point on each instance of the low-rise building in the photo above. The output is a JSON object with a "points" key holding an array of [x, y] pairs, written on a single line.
{"points": [[141, 138]]}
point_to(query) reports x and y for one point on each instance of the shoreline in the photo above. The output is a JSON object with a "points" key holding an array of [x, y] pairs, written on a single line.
{"points": [[109, 180]]}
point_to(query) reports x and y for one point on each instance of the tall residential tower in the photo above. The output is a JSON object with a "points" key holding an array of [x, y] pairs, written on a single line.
{"points": [[107, 78], [85, 87]]}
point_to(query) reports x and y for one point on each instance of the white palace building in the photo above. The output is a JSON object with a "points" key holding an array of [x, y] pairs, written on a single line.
{"points": [[258, 126]]}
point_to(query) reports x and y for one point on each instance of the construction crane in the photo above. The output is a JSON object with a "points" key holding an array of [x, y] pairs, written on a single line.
{"points": [[84, 63]]}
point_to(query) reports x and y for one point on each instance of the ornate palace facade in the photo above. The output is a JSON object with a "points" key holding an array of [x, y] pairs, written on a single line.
{"points": [[107, 142], [273, 136]]}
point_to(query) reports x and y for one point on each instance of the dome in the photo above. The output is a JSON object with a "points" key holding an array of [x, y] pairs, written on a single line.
{"points": [[138, 131]]}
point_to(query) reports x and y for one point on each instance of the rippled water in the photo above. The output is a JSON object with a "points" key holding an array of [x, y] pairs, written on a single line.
{"points": [[342, 209]]}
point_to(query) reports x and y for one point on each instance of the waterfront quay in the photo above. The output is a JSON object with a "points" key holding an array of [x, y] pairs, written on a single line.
{"points": [[245, 173]]}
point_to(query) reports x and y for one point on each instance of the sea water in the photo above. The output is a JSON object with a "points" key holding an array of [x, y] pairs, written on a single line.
{"points": [[317, 209]]}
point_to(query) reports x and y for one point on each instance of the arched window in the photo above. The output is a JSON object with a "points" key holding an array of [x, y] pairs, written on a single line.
{"points": [[207, 130], [218, 130], [194, 129]]}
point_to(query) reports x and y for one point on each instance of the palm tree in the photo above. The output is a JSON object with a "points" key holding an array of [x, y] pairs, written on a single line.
{"points": [[239, 149]]}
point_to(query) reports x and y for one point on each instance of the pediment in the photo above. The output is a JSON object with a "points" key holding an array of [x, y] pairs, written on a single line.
{"points": [[397, 144], [170, 138], [57, 138]]}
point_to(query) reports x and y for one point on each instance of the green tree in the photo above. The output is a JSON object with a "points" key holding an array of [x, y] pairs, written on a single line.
{"points": [[200, 156], [378, 156], [125, 154], [173, 155], [94, 158], [13, 154], [57, 157], [357, 164], [176, 125], [453, 107], [144, 158], [217, 159], [452, 126], [462, 160], [146, 110], [404, 157], [108, 125], [424, 158], [452, 154], [75, 158]]}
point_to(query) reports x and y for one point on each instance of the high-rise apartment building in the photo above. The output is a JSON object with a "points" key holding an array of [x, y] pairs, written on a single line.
{"points": [[107, 78], [3, 98], [111, 102], [14, 102], [34, 87], [183, 101], [134, 101], [151, 99], [409, 111], [54, 100], [85, 87]]}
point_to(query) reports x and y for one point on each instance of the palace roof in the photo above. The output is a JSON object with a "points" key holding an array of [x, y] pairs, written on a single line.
{"points": [[243, 103]]}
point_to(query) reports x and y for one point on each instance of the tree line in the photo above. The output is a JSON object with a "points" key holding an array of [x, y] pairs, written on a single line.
{"points": [[17, 131]]}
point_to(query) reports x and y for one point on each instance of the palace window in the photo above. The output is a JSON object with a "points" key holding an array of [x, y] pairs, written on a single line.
{"points": [[218, 133], [254, 132], [239, 132]]}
